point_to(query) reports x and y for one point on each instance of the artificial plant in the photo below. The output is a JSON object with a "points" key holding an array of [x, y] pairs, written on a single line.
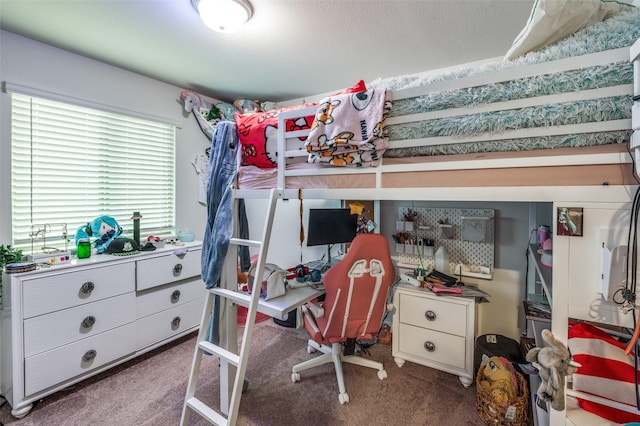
{"points": [[9, 255]]}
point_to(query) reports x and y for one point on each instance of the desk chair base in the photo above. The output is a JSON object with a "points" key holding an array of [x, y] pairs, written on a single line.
{"points": [[333, 354]]}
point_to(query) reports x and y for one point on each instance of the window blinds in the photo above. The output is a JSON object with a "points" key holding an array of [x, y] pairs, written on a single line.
{"points": [[71, 164]]}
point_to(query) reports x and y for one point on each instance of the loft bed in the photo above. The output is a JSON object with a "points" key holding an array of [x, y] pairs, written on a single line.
{"points": [[553, 125], [500, 131], [557, 117]]}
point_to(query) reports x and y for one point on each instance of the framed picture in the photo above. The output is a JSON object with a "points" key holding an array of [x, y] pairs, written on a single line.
{"points": [[569, 221]]}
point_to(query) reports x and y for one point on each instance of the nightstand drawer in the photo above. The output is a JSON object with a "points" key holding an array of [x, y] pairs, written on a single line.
{"points": [[441, 315], [158, 327], [55, 366], [59, 328], [60, 291], [161, 298], [432, 345], [168, 268]]}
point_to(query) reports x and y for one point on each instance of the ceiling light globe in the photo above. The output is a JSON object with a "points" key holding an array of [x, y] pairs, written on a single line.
{"points": [[223, 15]]}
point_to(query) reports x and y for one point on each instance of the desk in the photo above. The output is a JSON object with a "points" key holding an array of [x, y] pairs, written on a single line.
{"points": [[292, 299], [278, 307]]}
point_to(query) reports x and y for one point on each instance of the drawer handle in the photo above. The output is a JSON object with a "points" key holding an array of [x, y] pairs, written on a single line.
{"points": [[88, 321], [429, 346], [175, 323], [87, 287], [175, 296], [430, 315], [89, 355], [177, 269]]}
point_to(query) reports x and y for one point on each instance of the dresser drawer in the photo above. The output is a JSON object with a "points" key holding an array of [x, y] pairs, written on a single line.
{"points": [[446, 316], [168, 268], [445, 348], [158, 327], [161, 298], [54, 292], [59, 328], [60, 364]]}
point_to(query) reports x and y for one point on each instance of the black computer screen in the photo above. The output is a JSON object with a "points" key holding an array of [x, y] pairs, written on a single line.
{"points": [[331, 226]]}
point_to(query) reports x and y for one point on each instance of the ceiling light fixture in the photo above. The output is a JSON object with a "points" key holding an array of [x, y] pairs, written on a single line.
{"points": [[224, 16]]}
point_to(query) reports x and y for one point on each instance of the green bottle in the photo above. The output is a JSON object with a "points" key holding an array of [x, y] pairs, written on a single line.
{"points": [[84, 248]]}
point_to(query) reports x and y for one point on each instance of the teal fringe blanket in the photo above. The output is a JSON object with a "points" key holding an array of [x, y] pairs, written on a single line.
{"points": [[616, 32]]}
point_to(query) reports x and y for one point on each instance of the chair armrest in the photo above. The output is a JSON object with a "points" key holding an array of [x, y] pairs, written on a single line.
{"points": [[316, 310]]}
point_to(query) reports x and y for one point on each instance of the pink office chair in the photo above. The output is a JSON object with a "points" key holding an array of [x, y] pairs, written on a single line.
{"points": [[354, 306]]}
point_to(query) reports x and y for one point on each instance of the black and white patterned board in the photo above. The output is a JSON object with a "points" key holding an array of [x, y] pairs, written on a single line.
{"points": [[466, 234]]}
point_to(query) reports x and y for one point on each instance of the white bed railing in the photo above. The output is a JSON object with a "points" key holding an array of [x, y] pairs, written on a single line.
{"points": [[291, 149]]}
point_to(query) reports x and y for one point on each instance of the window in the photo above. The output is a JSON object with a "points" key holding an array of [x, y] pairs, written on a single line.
{"points": [[71, 164]]}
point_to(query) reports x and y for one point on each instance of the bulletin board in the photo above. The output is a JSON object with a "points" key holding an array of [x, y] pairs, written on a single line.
{"points": [[466, 234]]}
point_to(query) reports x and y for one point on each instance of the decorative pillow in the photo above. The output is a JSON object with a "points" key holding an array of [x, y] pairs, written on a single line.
{"points": [[606, 371], [553, 20], [258, 132]]}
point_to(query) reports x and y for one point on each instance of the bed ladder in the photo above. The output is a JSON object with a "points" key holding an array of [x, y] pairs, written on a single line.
{"points": [[239, 361]]}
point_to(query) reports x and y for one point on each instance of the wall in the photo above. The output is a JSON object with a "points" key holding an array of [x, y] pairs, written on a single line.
{"points": [[284, 248], [45, 68]]}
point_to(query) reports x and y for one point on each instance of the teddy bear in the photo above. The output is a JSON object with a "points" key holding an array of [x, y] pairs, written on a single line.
{"points": [[554, 363], [499, 379]]}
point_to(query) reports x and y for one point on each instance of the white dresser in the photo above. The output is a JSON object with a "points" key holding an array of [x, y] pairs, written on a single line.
{"points": [[436, 331], [63, 324]]}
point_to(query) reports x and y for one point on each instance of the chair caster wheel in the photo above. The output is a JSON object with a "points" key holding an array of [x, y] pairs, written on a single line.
{"points": [[310, 349], [382, 374], [295, 377], [343, 398]]}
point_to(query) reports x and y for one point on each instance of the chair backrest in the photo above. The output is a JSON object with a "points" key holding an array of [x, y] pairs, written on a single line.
{"points": [[357, 288]]}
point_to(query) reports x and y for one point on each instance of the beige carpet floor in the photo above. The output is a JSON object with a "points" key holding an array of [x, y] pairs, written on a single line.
{"points": [[150, 390]]}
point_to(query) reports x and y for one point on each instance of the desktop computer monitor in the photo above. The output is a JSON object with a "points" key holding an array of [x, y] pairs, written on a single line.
{"points": [[331, 226]]}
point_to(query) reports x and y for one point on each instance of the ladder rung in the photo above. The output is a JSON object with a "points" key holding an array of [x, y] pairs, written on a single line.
{"points": [[230, 357], [242, 299], [206, 412], [249, 243]]}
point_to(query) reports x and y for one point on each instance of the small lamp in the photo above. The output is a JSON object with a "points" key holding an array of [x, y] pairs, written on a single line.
{"points": [[224, 16]]}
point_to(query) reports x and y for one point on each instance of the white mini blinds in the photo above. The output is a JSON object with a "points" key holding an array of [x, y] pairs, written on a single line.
{"points": [[70, 164]]}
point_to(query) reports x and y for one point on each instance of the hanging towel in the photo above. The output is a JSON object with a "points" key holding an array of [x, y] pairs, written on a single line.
{"points": [[347, 129]]}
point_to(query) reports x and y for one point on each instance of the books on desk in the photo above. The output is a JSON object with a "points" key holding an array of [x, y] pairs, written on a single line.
{"points": [[442, 290], [537, 311], [435, 287]]}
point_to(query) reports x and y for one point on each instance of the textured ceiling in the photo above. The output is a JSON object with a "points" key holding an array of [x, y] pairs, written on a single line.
{"points": [[290, 48]]}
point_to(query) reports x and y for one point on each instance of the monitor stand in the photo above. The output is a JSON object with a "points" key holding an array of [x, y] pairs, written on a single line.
{"points": [[327, 264]]}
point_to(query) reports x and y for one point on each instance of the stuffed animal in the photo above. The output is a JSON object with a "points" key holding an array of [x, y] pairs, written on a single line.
{"points": [[554, 363], [499, 379], [207, 114], [103, 228]]}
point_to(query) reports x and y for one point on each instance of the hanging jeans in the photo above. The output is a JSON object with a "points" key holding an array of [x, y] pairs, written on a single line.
{"points": [[219, 229]]}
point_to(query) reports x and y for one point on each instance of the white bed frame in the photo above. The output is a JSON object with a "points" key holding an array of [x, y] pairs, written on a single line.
{"points": [[605, 174]]}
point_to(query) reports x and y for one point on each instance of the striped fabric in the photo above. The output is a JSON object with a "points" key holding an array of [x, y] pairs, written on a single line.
{"points": [[606, 372]]}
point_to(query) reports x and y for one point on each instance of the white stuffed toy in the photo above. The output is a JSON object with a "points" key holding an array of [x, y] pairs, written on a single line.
{"points": [[554, 363], [204, 109]]}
